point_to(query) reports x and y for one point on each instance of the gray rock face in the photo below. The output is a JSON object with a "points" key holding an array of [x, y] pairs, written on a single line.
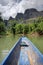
{"points": [[29, 13], [19, 16]]}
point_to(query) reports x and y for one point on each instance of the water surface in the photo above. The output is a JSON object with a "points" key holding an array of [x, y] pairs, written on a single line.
{"points": [[6, 43]]}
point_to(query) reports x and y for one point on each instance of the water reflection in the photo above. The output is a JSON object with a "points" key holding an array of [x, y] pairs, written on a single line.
{"points": [[6, 43]]}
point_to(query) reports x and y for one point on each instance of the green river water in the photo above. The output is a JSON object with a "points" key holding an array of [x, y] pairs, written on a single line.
{"points": [[6, 43]]}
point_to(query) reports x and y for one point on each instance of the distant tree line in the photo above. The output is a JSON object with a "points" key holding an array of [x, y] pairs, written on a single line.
{"points": [[36, 26], [2, 26], [18, 28]]}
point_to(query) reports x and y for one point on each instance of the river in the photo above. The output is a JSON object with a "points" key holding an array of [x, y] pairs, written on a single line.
{"points": [[6, 43]]}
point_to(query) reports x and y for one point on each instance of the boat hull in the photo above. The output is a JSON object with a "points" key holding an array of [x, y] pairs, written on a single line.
{"points": [[24, 53]]}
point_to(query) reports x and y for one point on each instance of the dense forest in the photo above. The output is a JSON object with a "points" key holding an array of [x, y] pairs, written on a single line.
{"points": [[22, 28]]}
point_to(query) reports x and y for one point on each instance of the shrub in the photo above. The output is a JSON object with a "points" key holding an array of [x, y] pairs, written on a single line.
{"points": [[19, 28], [2, 27], [31, 27], [40, 28], [1, 20], [35, 24], [26, 29], [13, 28]]}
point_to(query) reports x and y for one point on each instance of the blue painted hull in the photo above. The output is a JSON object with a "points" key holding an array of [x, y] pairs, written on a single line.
{"points": [[24, 53]]}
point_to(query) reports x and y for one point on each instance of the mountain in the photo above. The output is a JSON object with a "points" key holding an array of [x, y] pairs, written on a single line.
{"points": [[41, 13], [29, 13], [11, 18], [19, 16]]}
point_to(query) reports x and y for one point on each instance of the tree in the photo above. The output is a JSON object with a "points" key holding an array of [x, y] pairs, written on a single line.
{"points": [[40, 28], [2, 27], [35, 24], [1, 20], [13, 28], [31, 27], [26, 29], [19, 28]]}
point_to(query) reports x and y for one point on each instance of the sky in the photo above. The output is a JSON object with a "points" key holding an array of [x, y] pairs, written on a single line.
{"points": [[12, 7]]}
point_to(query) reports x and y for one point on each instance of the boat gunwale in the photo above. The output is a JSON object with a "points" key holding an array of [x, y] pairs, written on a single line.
{"points": [[10, 51]]}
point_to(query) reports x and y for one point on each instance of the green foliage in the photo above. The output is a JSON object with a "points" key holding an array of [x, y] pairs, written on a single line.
{"points": [[2, 27], [31, 27], [13, 28], [12, 22], [34, 26], [1, 19], [41, 26], [40, 19], [19, 28], [26, 29]]}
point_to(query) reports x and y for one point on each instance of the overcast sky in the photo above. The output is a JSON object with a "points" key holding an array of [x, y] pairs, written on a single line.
{"points": [[12, 7]]}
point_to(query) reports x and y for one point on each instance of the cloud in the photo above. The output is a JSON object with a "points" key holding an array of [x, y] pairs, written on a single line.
{"points": [[12, 7]]}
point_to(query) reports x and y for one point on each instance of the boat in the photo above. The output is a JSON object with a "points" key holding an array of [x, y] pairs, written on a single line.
{"points": [[23, 53]]}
